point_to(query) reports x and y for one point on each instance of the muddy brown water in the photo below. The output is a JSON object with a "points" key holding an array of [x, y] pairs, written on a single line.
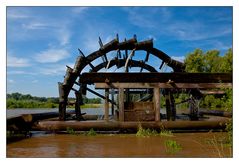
{"points": [[120, 145]]}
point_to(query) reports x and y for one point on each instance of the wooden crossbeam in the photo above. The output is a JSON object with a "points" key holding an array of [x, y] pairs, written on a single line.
{"points": [[162, 85], [179, 77]]}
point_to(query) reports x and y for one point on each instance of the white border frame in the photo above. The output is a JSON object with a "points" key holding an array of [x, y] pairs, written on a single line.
{"points": [[233, 3]]}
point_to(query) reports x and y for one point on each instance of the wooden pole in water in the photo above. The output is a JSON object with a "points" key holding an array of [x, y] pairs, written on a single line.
{"points": [[157, 103], [121, 104], [106, 104]]}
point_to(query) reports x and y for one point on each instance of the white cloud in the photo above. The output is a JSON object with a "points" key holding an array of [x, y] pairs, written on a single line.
{"points": [[179, 58], [14, 13], [51, 55], [13, 61], [35, 26], [55, 69], [64, 36], [10, 81]]}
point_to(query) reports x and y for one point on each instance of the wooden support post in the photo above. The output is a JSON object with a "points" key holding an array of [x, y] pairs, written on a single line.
{"points": [[167, 101], [62, 111], [112, 98], [62, 102], [121, 104], [106, 104], [173, 107], [77, 105], [157, 103]]}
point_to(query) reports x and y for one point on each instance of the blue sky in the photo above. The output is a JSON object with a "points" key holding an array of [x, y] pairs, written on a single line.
{"points": [[42, 40]]}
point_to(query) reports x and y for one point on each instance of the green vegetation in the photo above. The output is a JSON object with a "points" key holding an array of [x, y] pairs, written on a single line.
{"points": [[145, 132], [212, 62], [229, 133], [151, 132], [166, 133], [70, 131], [18, 100], [91, 132], [172, 146], [91, 106]]}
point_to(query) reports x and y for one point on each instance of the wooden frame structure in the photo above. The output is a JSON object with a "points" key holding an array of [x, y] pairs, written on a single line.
{"points": [[121, 83], [155, 81]]}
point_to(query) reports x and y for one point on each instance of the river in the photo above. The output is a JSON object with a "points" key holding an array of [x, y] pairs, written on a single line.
{"points": [[20, 111], [120, 145], [42, 144]]}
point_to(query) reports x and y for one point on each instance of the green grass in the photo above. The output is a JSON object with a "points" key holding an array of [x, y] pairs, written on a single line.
{"points": [[172, 146], [146, 132], [91, 132], [166, 133], [70, 131]]}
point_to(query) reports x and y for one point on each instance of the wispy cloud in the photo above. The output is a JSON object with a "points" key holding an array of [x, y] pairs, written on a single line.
{"points": [[163, 20], [79, 10], [35, 26], [137, 16], [51, 55], [55, 69], [17, 72], [14, 13], [13, 61], [10, 81], [195, 30], [63, 36]]}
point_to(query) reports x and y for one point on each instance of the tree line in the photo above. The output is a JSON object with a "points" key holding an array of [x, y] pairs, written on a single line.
{"points": [[18, 100]]}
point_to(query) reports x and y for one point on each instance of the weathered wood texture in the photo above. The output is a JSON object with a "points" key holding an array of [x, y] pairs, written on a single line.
{"points": [[157, 103], [139, 115], [139, 111], [163, 85], [215, 113], [106, 106], [121, 104], [138, 106], [171, 78], [121, 62], [26, 121], [113, 125]]}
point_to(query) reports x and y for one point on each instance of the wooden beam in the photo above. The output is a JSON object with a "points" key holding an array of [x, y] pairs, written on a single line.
{"points": [[106, 104], [121, 104], [157, 103], [163, 85], [114, 125], [176, 77]]}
